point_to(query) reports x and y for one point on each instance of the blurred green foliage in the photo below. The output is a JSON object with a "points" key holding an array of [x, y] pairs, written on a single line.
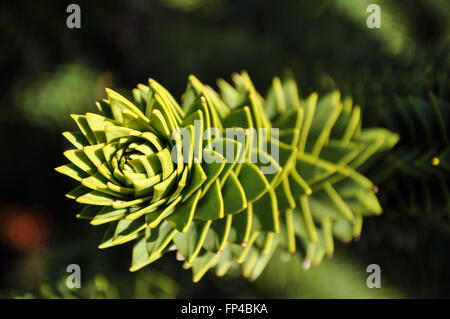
{"points": [[148, 285], [71, 88], [337, 278]]}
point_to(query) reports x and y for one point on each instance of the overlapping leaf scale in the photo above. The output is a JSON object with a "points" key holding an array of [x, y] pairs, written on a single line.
{"points": [[222, 236], [124, 160], [170, 176], [320, 194]]}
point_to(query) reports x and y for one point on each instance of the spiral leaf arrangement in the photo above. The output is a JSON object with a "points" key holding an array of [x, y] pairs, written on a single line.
{"points": [[213, 210]]}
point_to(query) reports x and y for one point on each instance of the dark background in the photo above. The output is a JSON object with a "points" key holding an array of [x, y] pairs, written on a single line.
{"points": [[49, 71]]}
